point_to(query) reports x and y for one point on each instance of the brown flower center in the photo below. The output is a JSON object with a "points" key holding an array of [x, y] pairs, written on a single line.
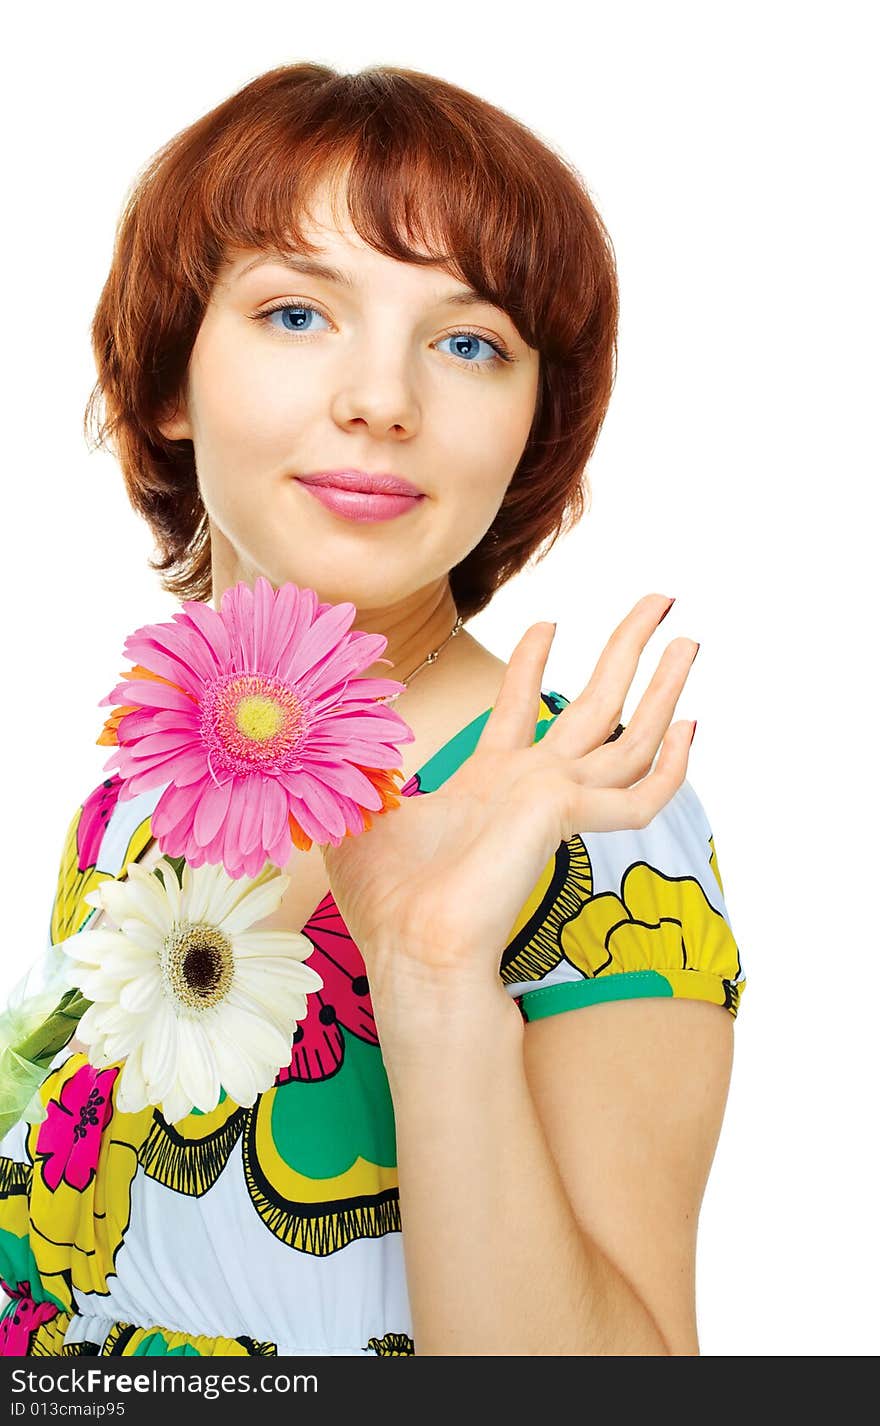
{"points": [[197, 965]]}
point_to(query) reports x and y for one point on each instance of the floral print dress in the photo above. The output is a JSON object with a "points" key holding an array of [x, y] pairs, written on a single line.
{"points": [[276, 1230]]}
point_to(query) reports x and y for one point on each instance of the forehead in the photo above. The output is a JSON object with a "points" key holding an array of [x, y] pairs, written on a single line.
{"points": [[324, 221], [325, 214]]}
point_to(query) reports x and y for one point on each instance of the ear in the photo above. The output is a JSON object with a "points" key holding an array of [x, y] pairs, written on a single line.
{"points": [[176, 426]]}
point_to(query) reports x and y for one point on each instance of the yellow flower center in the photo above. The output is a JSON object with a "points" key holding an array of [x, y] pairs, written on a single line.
{"points": [[259, 717], [253, 722]]}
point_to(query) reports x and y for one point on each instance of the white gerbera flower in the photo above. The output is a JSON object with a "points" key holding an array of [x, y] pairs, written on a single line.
{"points": [[184, 992]]}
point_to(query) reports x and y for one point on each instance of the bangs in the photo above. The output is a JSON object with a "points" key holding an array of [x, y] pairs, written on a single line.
{"points": [[421, 183]]}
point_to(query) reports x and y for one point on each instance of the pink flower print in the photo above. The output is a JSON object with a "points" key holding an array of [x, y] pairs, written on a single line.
{"points": [[21, 1321], [95, 815], [344, 1000], [69, 1138]]}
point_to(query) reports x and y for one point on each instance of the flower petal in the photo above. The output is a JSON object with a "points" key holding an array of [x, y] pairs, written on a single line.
{"points": [[142, 995], [274, 812], [344, 777], [201, 885], [183, 665], [286, 606], [141, 941], [158, 746], [176, 1104], [155, 895], [94, 945], [141, 721], [209, 626], [261, 622], [310, 824], [257, 903], [305, 610], [271, 978], [172, 888], [232, 828], [330, 681], [118, 1045], [323, 636], [136, 899], [184, 642], [159, 1055], [237, 1073], [322, 802], [132, 1093], [282, 944], [88, 1026], [146, 776], [175, 805], [147, 693], [211, 808], [197, 1070], [257, 1035], [378, 754]]}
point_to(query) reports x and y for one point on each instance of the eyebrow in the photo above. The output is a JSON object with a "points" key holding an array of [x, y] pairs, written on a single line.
{"points": [[310, 267]]}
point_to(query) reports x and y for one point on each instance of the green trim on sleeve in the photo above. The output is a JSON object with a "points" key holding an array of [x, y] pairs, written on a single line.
{"points": [[625, 985]]}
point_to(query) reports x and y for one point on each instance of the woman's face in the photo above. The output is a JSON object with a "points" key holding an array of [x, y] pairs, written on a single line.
{"points": [[375, 373]]}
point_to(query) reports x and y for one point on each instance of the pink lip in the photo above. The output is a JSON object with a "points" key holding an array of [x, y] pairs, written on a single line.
{"points": [[370, 482], [358, 505]]}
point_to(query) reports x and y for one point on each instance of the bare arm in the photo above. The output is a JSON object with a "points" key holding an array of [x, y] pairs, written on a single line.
{"points": [[551, 1175]]}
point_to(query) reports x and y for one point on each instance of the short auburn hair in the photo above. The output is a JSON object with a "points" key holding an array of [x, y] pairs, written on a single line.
{"points": [[421, 158]]}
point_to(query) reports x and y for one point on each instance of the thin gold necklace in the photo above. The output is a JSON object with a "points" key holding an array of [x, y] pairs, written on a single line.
{"points": [[424, 664]]}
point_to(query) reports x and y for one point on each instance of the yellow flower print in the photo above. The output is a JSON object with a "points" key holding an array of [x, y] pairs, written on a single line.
{"points": [[84, 1157], [659, 925], [393, 1344], [713, 862], [78, 872]]}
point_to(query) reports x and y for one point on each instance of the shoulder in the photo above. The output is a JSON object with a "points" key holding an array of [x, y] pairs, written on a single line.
{"points": [[628, 915], [105, 832]]}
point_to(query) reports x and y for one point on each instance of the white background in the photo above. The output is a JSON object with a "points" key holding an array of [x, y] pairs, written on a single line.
{"points": [[731, 150]]}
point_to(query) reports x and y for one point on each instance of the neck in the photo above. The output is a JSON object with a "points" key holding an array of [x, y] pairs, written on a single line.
{"points": [[412, 634], [414, 628]]}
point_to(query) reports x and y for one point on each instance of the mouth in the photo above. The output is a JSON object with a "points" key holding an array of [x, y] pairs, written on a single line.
{"points": [[365, 482], [365, 507]]}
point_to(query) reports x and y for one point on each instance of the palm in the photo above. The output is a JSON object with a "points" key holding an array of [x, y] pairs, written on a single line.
{"points": [[446, 871], [439, 881]]}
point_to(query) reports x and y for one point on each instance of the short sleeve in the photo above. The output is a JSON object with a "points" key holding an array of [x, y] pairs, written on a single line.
{"points": [[627, 914]]}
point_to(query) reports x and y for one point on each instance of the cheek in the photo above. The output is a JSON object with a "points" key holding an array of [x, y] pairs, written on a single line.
{"points": [[246, 404], [484, 436]]}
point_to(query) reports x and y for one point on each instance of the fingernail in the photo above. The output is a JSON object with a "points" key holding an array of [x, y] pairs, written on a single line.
{"points": [[666, 610], [692, 734], [696, 651]]}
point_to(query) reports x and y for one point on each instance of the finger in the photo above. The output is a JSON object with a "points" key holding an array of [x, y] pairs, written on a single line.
{"points": [[588, 719], [511, 723], [593, 809], [631, 756]]}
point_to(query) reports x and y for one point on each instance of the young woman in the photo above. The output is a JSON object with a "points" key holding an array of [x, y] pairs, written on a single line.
{"points": [[495, 1130]]}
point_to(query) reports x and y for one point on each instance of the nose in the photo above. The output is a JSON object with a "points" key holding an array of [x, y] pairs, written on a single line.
{"points": [[377, 394]]}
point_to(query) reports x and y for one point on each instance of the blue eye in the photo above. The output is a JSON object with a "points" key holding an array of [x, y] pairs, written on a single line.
{"points": [[466, 347], [465, 350], [300, 310]]}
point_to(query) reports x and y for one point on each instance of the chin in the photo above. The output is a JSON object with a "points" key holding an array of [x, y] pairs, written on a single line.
{"points": [[365, 588]]}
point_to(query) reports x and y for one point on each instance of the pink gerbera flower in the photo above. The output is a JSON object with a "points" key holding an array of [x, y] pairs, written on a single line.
{"points": [[256, 718]]}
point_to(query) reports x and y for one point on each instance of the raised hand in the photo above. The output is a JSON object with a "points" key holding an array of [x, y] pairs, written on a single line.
{"points": [[431, 892]]}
